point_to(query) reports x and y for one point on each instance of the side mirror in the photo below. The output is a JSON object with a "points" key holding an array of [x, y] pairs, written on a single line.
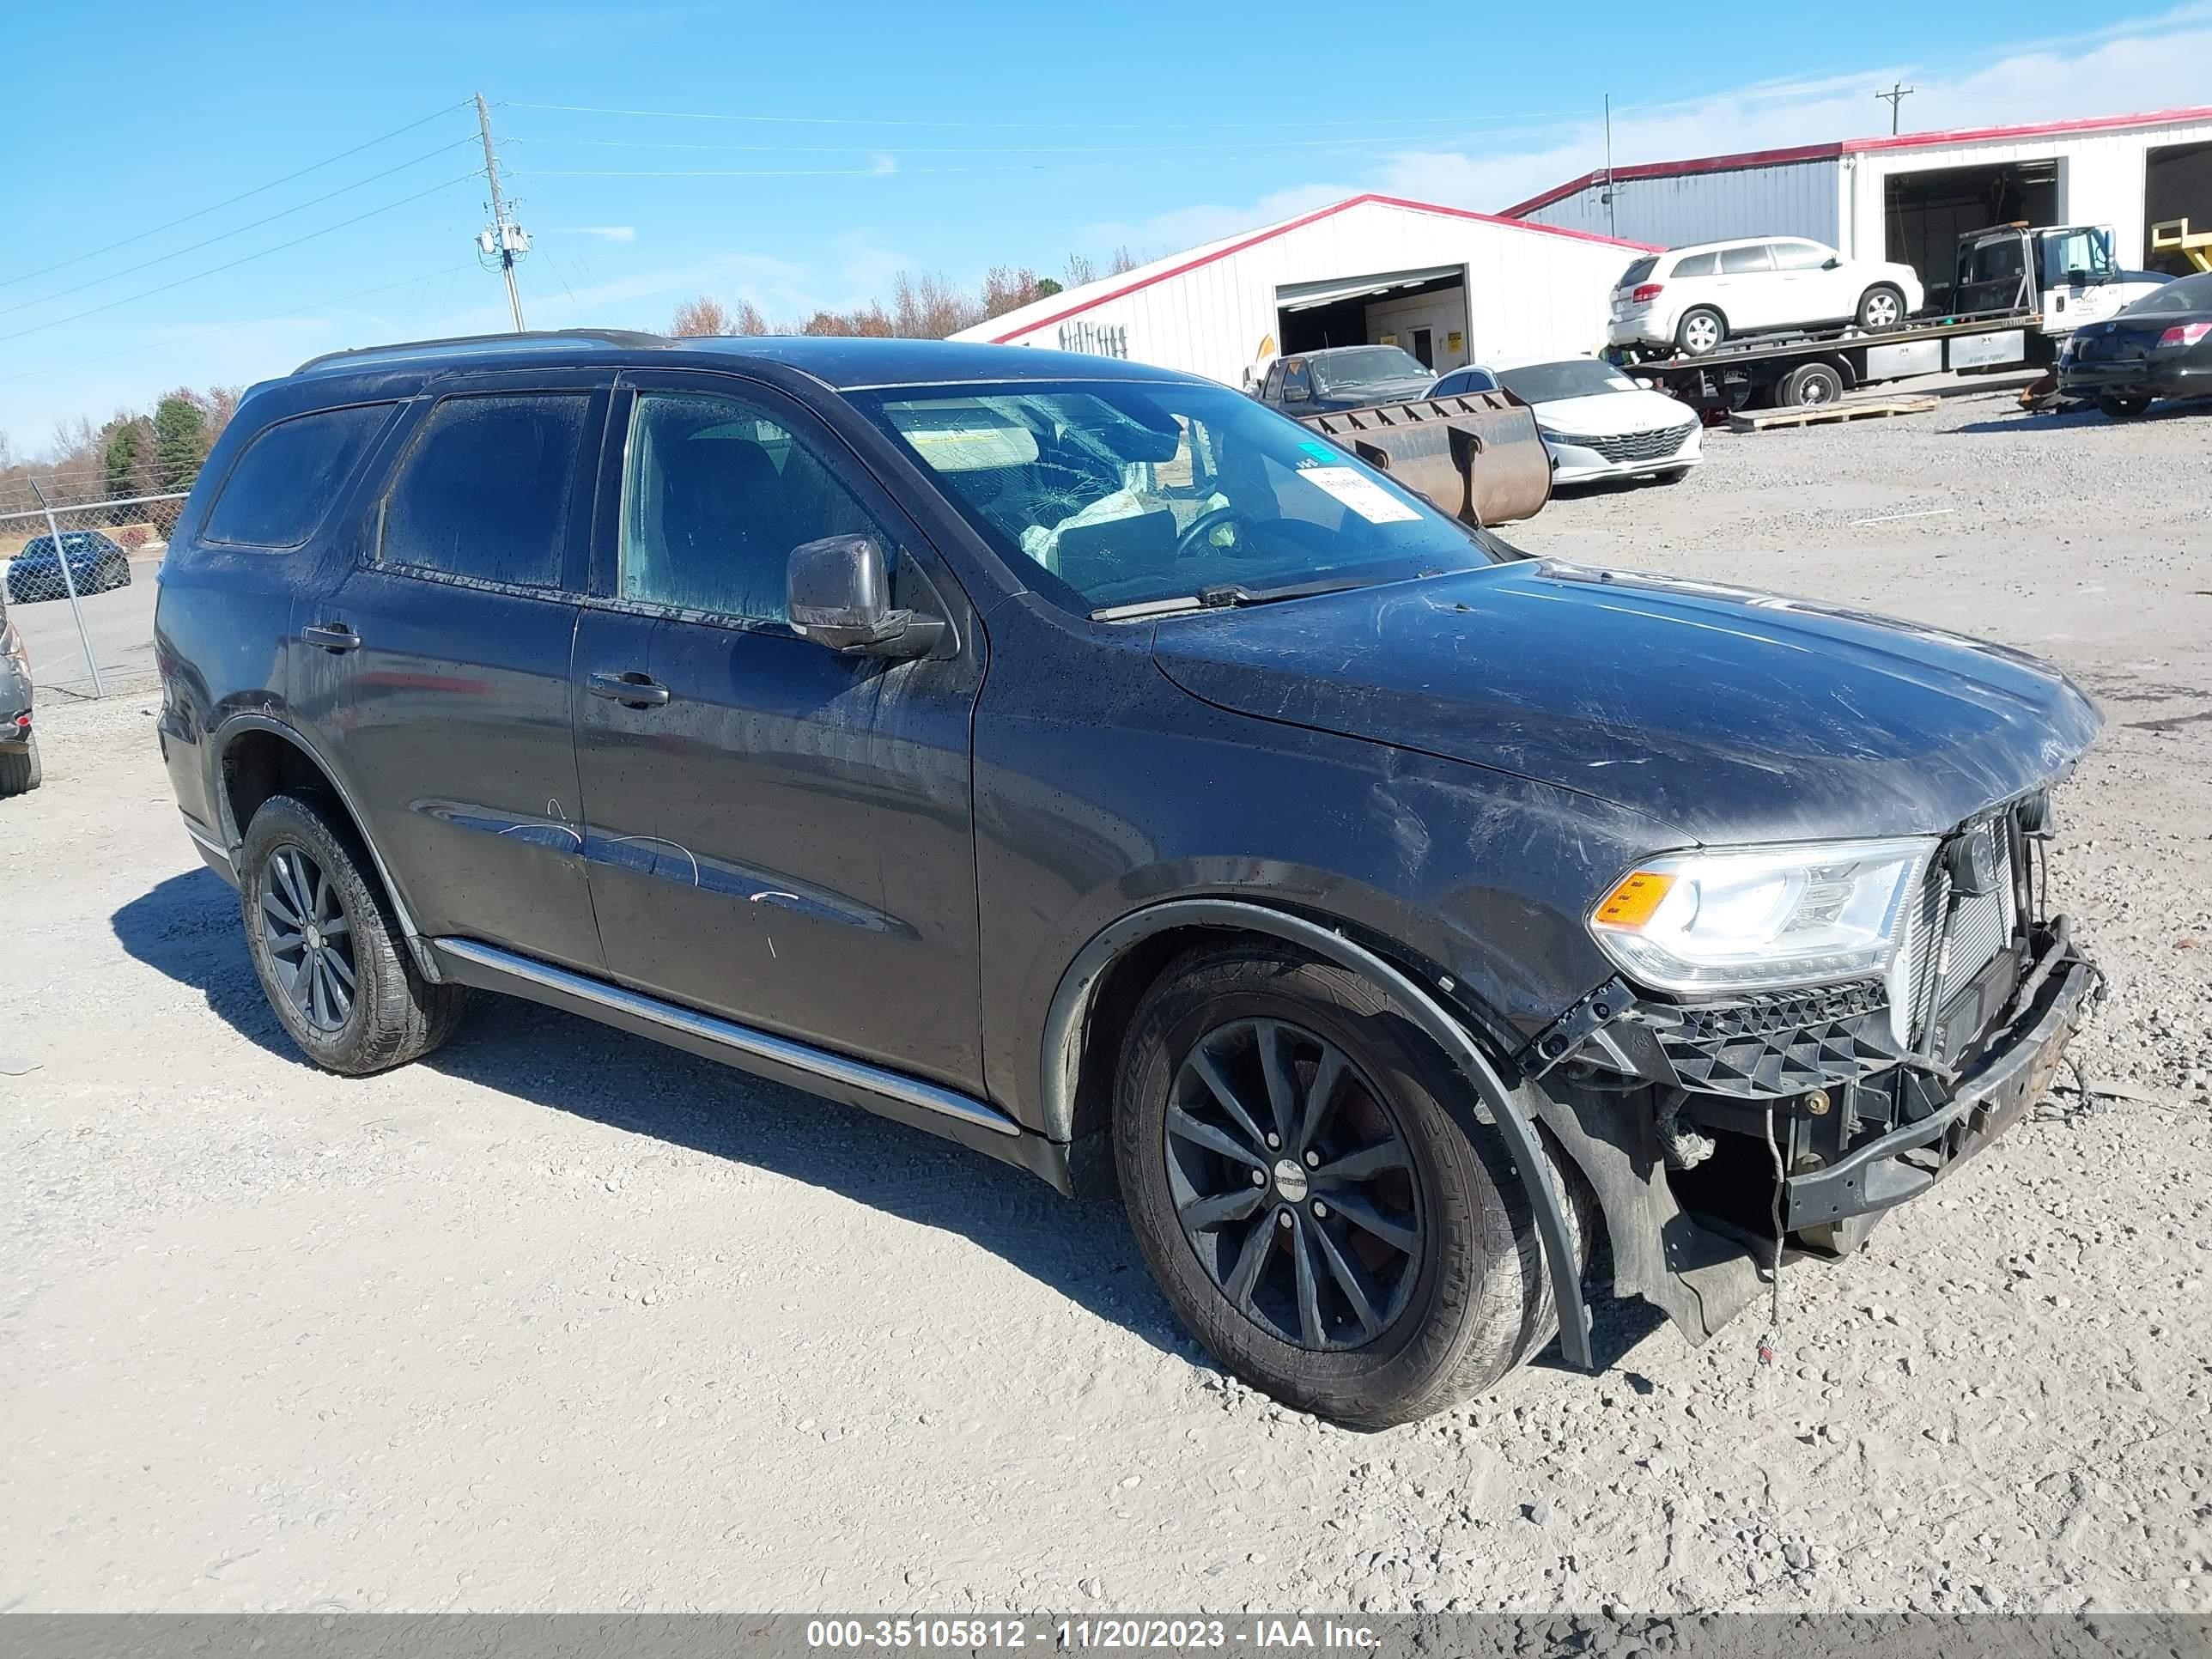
{"points": [[1297, 394], [837, 590], [1833, 262]]}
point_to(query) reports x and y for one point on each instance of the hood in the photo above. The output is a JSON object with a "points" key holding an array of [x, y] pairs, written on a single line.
{"points": [[1613, 414], [1731, 715], [1375, 391]]}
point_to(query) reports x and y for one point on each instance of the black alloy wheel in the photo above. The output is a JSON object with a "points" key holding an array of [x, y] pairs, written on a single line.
{"points": [[1294, 1185], [309, 938]]}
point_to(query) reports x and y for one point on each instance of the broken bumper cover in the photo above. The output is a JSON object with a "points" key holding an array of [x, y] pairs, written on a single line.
{"points": [[1991, 1096]]}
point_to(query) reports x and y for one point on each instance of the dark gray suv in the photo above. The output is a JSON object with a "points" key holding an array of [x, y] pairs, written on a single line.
{"points": [[1090, 764]]}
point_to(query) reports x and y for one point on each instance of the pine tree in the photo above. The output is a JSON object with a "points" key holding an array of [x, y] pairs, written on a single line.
{"points": [[179, 440]]}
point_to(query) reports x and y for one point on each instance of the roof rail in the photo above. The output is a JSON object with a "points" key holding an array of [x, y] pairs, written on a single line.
{"points": [[613, 337]]}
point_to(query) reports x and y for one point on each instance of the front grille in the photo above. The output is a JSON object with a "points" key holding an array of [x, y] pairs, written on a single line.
{"points": [[1943, 961], [1653, 445]]}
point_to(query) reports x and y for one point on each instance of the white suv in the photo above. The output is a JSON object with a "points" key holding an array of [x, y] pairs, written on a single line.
{"points": [[1690, 299]]}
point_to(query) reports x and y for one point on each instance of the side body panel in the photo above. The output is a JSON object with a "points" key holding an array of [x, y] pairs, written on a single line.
{"points": [[1102, 787]]}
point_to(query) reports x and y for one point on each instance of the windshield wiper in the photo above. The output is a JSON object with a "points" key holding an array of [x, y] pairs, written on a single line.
{"points": [[1222, 596]]}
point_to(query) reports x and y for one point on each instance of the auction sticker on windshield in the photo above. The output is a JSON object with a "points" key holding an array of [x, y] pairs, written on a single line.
{"points": [[1362, 495]]}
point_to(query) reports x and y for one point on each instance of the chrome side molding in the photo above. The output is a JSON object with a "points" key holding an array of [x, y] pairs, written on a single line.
{"points": [[735, 1040]]}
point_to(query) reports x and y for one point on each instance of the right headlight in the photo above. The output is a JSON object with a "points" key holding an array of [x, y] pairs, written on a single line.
{"points": [[1765, 918]]}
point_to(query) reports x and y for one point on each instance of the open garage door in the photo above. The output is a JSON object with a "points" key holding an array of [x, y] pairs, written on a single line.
{"points": [[1421, 312], [2177, 185], [1924, 213]]}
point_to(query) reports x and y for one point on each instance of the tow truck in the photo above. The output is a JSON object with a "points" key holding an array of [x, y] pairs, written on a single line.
{"points": [[2020, 289]]}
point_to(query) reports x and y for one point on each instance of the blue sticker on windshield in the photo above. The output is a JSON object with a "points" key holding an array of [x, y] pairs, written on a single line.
{"points": [[1320, 450]]}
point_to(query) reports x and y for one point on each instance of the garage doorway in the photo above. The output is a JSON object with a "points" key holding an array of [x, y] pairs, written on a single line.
{"points": [[2177, 185], [1924, 213], [1423, 312]]}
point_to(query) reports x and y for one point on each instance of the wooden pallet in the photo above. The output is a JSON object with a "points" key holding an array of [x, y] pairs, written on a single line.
{"points": [[1865, 409]]}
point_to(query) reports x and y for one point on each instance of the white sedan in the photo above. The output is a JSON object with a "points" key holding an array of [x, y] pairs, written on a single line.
{"points": [[1596, 423]]}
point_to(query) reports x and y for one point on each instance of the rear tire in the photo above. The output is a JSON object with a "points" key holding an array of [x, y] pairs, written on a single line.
{"points": [[327, 946], [1881, 308], [1700, 330], [2123, 409], [20, 770], [1289, 1291], [1810, 386]]}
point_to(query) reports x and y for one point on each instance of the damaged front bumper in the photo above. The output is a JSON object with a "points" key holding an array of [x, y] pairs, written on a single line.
{"points": [[1989, 1097], [1681, 1162]]}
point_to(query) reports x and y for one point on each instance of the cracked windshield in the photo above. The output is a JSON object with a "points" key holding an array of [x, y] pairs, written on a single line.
{"points": [[1115, 500]]}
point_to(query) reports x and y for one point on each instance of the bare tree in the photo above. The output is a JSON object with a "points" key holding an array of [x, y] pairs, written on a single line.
{"points": [[704, 315], [927, 308], [1080, 270], [1008, 288], [1122, 260]]}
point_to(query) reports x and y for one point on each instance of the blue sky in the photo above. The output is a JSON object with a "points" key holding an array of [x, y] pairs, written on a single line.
{"points": [[853, 140]]}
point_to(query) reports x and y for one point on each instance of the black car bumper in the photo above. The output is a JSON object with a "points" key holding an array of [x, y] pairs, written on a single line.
{"points": [[1991, 1096], [2137, 377]]}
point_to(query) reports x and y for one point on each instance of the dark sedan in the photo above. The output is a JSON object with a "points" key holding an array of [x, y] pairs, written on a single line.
{"points": [[95, 565], [1344, 376], [2158, 347]]}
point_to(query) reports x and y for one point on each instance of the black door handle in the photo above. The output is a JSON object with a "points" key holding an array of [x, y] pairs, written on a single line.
{"points": [[332, 636], [633, 689]]}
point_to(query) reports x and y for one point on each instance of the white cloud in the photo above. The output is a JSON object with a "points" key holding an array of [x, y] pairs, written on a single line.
{"points": [[604, 233]]}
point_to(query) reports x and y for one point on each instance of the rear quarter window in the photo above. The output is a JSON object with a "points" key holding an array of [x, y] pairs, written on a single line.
{"points": [[1697, 264], [288, 478]]}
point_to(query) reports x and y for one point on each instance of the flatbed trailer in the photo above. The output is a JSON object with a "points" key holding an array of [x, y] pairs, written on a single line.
{"points": [[1790, 371]]}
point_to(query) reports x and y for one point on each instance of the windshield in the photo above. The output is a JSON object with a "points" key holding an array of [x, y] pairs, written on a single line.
{"points": [[2188, 294], [1364, 366], [1105, 494], [1579, 377]]}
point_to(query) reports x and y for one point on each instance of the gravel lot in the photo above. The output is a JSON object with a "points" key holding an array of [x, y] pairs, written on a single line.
{"points": [[562, 1319]]}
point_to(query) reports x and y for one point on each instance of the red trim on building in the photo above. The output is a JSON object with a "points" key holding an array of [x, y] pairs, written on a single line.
{"points": [[1300, 223], [1829, 152]]}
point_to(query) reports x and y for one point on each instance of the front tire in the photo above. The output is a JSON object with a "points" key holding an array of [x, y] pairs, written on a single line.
{"points": [[327, 946], [1881, 308], [20, 770], [1700, 330], [1314, 1191], [2123, 409]]}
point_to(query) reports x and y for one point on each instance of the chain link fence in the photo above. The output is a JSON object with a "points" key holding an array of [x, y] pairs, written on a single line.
{"points": [[78, 583]]}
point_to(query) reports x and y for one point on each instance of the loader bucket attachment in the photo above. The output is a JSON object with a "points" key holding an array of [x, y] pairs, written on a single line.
{"points": [[1478, 456]]}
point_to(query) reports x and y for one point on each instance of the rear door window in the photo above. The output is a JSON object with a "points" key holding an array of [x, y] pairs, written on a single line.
{"points": [[288, 479], [485, 492], [1742, 261]]}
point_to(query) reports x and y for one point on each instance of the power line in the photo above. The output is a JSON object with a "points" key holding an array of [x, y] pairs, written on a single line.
{"points": [[225, 328], [972, 149], [145, 294], [200, 213], [763, 172], [221, 236], [1036, 126]]}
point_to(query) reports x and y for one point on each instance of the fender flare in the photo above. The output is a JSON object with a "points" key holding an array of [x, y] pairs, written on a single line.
{"points": [[1071, 1006], [219, 740]]}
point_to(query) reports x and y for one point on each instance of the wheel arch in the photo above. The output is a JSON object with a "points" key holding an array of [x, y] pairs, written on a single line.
{"points": [[257, 756], [1110, 972]]}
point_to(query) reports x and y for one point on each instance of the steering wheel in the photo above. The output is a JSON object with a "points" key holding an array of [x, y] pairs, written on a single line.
{"points": [[1193, 532]]}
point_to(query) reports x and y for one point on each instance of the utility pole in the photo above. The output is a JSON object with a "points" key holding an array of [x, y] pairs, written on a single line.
{"points": [[1610, 229], [505, 238], [1898, 93]]}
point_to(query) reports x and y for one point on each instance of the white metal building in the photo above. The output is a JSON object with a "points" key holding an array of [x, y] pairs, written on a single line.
{"points": [[1449, 286], [1908, 198]]}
